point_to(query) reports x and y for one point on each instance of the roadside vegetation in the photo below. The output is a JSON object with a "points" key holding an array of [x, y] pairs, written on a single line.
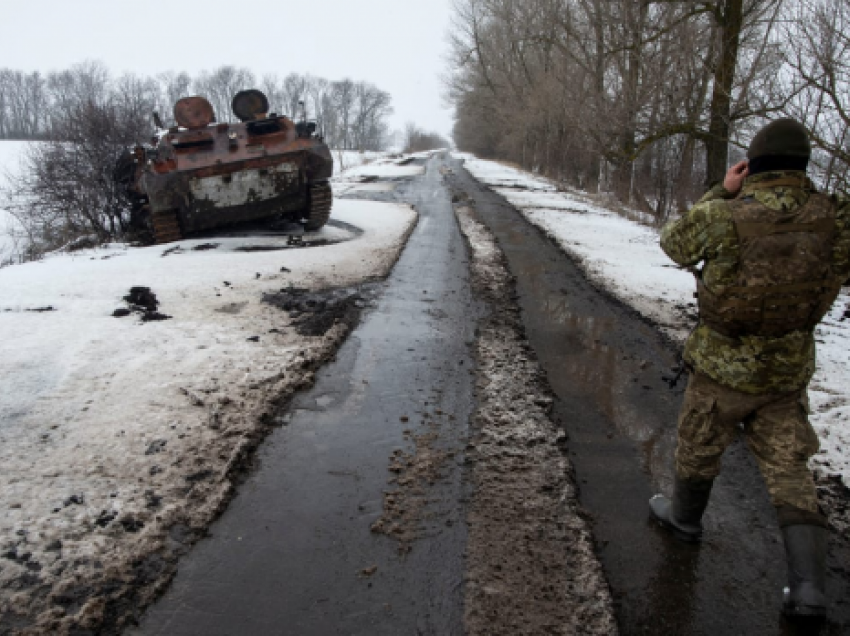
{"points": [[648, 101], [418, 140]]}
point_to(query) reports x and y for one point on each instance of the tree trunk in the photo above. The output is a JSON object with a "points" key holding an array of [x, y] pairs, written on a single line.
{"points": [[624, 176], [729, 16], [683, 183], [594, 182]]}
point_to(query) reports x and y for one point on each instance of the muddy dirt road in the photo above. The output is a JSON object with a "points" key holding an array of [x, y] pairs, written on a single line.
{"points": [[295, 552], [605, 364], [354, 519]]}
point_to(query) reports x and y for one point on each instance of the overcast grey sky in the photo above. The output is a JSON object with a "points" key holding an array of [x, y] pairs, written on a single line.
{"points": [[397, 44]]}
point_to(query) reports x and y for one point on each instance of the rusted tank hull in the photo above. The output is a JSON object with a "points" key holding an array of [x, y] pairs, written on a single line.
{"points": [[238, 192], [202, 175]]}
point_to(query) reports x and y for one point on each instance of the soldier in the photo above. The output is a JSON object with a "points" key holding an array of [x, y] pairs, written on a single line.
{"points": [[774, 255]]}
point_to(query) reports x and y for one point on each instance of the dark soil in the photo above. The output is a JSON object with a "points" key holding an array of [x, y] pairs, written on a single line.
{"points": [[834, 497], [142, 301], [153, 316], [314, 313], [83, 243], [293, 242], [143, 298], [261, 248], [415, 473]]}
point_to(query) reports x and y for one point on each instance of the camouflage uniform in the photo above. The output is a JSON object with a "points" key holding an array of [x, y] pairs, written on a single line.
{"points": [[755, 380]]}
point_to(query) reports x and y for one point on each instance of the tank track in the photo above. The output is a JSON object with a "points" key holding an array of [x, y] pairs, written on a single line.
{"points": [[166, 227], [319, 207]]}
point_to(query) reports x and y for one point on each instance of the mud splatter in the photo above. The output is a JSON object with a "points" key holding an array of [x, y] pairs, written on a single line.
{"points": [[143, 301], [415, 471], [834, 498], [314, 313]]}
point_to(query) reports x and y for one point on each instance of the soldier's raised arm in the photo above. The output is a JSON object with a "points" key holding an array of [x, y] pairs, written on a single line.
{"points": [[703, 228]]}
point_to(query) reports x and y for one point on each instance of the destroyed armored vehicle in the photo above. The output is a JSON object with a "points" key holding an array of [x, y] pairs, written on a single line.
{"points": [[201, 175]]}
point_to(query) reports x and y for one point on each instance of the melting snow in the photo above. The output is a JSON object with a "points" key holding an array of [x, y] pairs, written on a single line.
{"points": [[103, 417]]}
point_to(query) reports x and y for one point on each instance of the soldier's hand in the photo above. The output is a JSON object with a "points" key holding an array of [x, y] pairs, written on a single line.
{"points": [[735, 177]]}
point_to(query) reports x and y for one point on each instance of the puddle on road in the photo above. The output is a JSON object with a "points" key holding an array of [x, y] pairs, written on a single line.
{"points": [[583, 348]]}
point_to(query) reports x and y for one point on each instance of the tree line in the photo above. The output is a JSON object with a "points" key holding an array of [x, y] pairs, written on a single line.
{"points": [[34, 106], [419, 140], [649, 100]]}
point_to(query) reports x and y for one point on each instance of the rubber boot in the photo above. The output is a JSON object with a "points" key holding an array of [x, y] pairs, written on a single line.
{"points": [[805, 549], [682, 514]]}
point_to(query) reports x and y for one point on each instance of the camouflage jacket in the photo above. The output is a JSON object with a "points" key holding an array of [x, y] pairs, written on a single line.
{"points": [[706, 234]]}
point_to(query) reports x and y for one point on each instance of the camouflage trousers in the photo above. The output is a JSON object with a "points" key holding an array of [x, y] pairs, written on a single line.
{"points": [[776, 428]]}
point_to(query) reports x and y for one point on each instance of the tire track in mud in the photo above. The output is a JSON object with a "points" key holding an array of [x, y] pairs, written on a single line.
{"points": [[531, 566]]}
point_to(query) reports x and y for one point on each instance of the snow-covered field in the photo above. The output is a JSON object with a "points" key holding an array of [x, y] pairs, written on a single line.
{"points": [[346, 160], [624, 257], [388, 166], [351, 165], [113, 430]]}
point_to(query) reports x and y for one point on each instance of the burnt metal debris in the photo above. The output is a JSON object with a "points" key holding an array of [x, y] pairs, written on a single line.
{"points": [[201, 175]]}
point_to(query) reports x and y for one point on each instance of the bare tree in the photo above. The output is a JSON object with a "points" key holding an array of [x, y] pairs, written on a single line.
{"points": [[819, 79], [295, 91], [271, 85], [173, 86], [23, 104], [342, 99], [66, 189], [134, 99], [86, 82], [372, 107], [220, 85], [627, 96], [319, 99]]}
